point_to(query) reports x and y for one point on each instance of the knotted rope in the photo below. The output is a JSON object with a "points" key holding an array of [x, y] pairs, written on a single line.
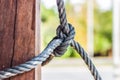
{"points": [[74, 44], [57, 47]]}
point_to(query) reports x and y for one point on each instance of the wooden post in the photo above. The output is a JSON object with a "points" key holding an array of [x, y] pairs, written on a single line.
{"points": [[17, 35]]}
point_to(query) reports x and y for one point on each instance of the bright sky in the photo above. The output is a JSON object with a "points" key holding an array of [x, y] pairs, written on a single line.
{"points": [[103, 4]]}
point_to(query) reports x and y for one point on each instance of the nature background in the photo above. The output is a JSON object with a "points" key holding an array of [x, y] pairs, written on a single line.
{"points": [[77, 16]]}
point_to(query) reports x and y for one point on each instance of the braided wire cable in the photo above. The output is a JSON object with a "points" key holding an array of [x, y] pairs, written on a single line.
{"points": [[76, 45]]}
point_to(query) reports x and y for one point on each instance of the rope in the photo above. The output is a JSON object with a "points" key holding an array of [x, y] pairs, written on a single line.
{"points": [[76, 45], [57, 47], [22, 68]]}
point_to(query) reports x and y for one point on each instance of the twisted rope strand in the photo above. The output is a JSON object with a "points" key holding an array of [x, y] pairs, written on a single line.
{"points": [[62, 15], [80, 50], [86, 59], [22, 68]]}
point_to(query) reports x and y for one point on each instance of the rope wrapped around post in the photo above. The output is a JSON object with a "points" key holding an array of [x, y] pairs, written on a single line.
{"points": [[57, 47]]}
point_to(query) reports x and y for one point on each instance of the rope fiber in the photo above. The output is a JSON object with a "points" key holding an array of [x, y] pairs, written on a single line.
{"points": [[57, 47]]}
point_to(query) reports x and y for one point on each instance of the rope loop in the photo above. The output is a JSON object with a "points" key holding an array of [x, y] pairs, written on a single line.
{"points": [[67, 35]]}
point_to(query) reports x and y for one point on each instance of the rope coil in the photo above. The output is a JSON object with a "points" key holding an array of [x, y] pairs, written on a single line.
{"points": [[57, 47]]}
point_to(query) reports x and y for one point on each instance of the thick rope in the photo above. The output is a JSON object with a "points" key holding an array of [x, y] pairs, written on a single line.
{"points": [[80, 50], [58, 46], [22, 68], [58, 42]]}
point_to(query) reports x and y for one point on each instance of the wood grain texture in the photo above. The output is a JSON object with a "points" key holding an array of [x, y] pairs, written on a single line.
{"points": [[7, 18], [17, 35]]}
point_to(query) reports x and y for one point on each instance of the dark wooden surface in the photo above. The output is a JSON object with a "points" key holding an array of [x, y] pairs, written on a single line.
{"points": [[17, 35]]}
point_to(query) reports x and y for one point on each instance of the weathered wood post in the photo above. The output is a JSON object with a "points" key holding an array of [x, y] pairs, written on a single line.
{"points": [[19, 26]]}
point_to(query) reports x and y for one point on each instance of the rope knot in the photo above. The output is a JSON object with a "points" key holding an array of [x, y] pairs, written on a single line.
{"points": [[67, 35]]}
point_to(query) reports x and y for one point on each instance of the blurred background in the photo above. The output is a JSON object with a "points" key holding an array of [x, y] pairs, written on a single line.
{"points": [[97, 26]]}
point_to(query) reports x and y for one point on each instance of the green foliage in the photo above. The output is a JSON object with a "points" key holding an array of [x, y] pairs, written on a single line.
{"points": [[47, 14], [102, 44], [70, 53], [103, 31], [49, 24]]}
